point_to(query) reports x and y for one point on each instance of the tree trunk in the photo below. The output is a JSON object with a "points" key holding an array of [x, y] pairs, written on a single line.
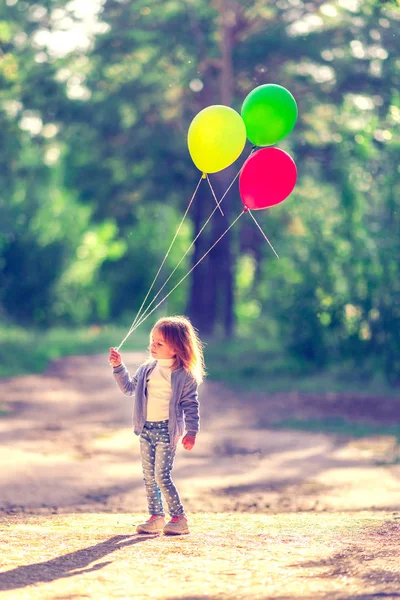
{"points": [[222, 260], [202, 301], [211, 301]]}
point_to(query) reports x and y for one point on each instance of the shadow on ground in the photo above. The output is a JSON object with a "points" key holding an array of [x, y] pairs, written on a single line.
{"points": [[68, 565]]}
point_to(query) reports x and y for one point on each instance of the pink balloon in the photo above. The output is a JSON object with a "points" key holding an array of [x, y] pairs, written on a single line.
{"points": [[267, 177]]}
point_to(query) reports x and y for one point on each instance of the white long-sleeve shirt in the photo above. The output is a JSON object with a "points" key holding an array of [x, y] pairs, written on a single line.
{"points": [[159, 390]]}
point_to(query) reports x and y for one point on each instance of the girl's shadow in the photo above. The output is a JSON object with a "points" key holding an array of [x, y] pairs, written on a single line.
{"points": [[68, 565]]}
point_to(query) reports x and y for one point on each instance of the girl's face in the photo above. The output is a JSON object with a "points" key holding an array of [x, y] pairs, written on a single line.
{"points": [[159, 347]]}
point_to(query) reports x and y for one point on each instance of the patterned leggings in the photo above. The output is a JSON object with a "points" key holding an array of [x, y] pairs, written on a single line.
{"points": [[157, 462]]}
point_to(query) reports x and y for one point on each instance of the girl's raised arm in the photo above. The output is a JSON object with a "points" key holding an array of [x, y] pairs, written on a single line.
{"points": [[126, 384]]}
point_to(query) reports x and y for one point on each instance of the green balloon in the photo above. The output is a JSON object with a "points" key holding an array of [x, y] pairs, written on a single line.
{"points": [[269, 113]]}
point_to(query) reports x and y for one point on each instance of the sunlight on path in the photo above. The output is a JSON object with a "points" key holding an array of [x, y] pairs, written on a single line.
{"points": [[274, 514], [67, 445], [227, 556]]}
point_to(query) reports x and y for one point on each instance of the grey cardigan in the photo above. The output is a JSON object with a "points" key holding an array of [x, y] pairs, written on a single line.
{"points": [[184, 405]]}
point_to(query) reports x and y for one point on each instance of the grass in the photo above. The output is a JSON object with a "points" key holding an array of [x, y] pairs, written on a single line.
{"points": [[246, 365], [338, 426], [25, 351], [261, 366]]}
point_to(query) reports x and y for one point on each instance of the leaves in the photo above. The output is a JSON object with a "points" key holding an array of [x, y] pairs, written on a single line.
{"points": [[95, 172]]}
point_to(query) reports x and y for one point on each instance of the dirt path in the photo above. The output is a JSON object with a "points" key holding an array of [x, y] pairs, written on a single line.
{"points": [[323, 507]]}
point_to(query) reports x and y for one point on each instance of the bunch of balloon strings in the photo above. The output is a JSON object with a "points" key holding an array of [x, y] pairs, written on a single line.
{"points": [[216, 138]]}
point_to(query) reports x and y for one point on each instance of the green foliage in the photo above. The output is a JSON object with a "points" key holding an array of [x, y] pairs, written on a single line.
{"points": [[95, 173]]}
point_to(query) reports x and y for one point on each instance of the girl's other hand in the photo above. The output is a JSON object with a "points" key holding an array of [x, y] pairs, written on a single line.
{"points": [[115, 358], [189, 441]]}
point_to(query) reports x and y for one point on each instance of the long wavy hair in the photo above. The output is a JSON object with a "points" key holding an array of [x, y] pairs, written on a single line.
{"points": [[180, 334]]}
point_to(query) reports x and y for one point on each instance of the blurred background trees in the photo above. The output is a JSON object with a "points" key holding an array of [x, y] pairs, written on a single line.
{"points": [[96, 100]]}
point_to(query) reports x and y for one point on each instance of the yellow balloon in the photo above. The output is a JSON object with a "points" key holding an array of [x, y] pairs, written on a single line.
{"points": [[216, 138]]}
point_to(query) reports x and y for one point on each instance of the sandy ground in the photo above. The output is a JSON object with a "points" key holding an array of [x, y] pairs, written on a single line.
{"points": [[72, 490]]}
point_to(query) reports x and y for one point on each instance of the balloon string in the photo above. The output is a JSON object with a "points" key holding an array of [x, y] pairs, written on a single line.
{"points": [[215, 197], [187, 251], [162, 264], [252, 216], [170, 246], [144, 317]]}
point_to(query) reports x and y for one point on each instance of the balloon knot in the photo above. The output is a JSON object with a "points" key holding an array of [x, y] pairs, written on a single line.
{"points": [[246, 209], [204, 176]]}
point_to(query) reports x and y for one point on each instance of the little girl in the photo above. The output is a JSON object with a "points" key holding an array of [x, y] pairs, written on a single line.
{"points": [[166, 402]]}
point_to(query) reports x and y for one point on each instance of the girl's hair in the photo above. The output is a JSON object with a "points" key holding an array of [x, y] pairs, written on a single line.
{"points": [[179, 333]]}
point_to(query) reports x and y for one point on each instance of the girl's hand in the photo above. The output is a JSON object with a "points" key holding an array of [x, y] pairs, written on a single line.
{"points": [[189, 441], [115, 358]]}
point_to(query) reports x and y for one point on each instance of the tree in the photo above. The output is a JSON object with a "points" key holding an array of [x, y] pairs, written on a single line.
{"points": [[109, 155]]}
